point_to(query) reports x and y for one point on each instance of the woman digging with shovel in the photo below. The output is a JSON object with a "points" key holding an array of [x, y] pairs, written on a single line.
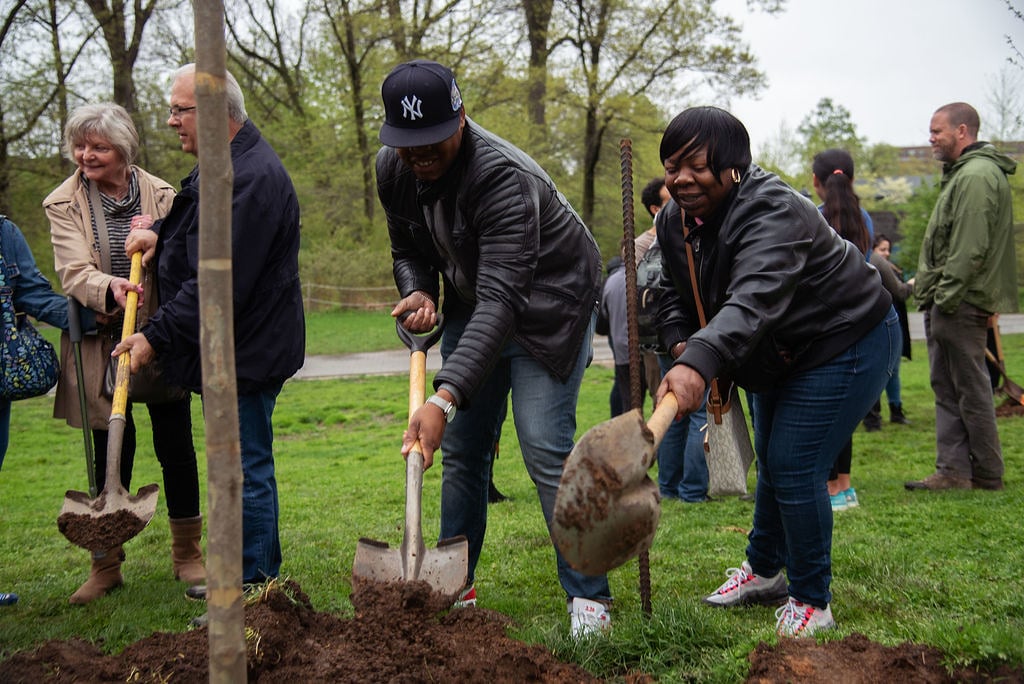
{"points": [[90, 216], [796, 316]]}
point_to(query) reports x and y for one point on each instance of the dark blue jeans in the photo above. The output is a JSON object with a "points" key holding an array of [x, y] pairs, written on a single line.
{"points": [[682, 465], [544, 411], [799, 427], [261, 545]]}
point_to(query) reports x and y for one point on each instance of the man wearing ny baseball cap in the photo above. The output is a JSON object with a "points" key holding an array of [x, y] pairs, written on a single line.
{"points": [[521, 275]]}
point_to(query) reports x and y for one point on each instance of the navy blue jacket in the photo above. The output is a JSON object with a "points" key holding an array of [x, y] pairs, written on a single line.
{"points": [[270, 333]]}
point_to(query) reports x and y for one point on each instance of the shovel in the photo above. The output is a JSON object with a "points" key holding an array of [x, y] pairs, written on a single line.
{"points": [[113, 517], [445, 568], [1008, 386], [607, 508]]}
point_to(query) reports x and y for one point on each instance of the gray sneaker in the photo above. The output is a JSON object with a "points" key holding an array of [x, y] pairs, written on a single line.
{"points": [[796, 619], [744, 588]]}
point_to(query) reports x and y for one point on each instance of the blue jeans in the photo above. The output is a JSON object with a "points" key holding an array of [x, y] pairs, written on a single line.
{"points": [[544, 410], [892, 388], [261, 545], [799, 427], [682, 466]]}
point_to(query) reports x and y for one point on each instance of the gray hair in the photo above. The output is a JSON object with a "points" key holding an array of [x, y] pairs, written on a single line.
{"points": [[106, 120], [232, 91]]}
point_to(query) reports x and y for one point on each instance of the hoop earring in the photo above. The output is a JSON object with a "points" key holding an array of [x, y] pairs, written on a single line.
{"points": [[735, 175]]}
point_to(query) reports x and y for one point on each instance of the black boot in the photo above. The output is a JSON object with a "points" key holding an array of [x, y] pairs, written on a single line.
{"points": [[873, 421], [896, 414]]}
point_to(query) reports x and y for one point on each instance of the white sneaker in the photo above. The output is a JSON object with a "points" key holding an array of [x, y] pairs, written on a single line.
{"points": [[466, 598], [797, 619], [588, 617], [744, 587]]}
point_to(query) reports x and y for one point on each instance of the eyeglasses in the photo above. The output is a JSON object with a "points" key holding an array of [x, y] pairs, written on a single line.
{"points": [[176, 112]]}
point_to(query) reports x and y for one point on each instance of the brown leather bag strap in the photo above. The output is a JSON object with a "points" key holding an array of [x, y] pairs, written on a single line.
{"points": [[715, 405]]}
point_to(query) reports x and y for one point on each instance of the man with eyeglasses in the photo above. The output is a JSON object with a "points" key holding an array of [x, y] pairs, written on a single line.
{"points": [[269, 323]]}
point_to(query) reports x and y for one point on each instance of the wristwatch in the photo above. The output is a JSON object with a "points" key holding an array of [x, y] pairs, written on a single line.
{"points": [[447, 407]]}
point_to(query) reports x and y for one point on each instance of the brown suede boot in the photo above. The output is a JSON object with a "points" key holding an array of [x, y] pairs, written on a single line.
{"points": [[104, 576], [186, 553]]}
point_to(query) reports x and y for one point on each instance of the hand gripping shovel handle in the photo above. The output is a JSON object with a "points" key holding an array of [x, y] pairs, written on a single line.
{"points": [[75, 332], [124, 361], [660, 422]]}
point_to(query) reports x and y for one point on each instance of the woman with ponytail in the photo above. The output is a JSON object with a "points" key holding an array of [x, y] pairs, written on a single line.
{"points": [[833, 182]]}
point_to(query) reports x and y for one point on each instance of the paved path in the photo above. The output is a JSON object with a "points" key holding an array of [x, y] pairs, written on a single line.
{"points": [[397, 362]]}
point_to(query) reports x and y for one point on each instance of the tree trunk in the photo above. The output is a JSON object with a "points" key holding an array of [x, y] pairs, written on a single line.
{"points": [[220, 393], [538, 20]]}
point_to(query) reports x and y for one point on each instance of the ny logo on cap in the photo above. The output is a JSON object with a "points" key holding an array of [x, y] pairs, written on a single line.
{"points": [[411, 107]]}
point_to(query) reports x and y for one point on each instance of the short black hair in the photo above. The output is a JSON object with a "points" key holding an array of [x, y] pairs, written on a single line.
{"points": [[651, 194], [726, 138]]}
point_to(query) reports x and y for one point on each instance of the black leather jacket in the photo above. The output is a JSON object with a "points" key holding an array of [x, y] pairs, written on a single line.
{"points": [[517, 260], [782, 292]]}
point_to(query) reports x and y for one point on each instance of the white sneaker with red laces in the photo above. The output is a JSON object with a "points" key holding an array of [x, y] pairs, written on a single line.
{"points": [[796, 619], [744, 587]]}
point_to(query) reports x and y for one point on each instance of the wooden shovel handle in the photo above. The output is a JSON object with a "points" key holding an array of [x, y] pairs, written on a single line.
{"points": [[131, 307], [663, 416]]}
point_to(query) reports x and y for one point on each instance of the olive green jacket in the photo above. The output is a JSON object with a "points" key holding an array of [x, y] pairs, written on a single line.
{"points": [[968, 250]]}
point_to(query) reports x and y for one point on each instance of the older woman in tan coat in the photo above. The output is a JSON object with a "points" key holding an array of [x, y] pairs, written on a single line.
{"points": [[90, 215]]}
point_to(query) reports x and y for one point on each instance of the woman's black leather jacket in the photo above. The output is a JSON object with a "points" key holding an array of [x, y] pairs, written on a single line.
{"points": [[782, 292]]}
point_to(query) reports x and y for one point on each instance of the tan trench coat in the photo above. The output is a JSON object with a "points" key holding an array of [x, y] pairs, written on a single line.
{"points": [[78, 267]]}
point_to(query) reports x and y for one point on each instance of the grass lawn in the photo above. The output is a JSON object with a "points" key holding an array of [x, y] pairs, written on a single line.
{"points": [[908, 566]]}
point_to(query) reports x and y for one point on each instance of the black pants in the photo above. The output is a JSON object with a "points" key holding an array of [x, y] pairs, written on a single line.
{"points": [[172, 442]]}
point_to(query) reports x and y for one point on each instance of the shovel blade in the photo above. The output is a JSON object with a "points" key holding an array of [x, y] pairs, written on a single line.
{"points": [[1012, 390], [607, 509], [109, 520], [376, 561], [445, 568]]}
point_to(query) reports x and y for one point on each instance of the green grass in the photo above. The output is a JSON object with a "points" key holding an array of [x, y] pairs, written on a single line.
{"points": [[938, 569], [350, 332]]}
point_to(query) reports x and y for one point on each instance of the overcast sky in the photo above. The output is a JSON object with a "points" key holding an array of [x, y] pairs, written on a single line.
{"points": [[891, 63]]}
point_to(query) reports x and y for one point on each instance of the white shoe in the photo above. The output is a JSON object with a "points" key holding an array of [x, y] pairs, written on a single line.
{"points": [[796, 619], [466, 598], [744, 587], [588, 617]]}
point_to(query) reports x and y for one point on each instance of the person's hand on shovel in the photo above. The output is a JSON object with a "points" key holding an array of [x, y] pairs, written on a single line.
{"points": [[687, 385], [417, 313], [139, 347], [427, 426], [141, 238]]}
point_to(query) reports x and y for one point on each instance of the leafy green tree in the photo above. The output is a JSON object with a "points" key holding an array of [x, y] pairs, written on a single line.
{"points": [[914, 215], [829, 125], [623, 50]]}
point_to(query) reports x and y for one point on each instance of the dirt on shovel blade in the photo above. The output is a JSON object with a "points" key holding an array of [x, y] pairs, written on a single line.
{"points": [[100, 532]]}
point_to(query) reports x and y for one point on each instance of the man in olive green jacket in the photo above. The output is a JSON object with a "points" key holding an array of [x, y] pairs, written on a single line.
{"points": [[966, 273]]}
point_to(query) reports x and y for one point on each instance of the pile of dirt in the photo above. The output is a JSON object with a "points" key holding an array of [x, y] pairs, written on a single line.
{"points": [[401, 633], [856, 660]]}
